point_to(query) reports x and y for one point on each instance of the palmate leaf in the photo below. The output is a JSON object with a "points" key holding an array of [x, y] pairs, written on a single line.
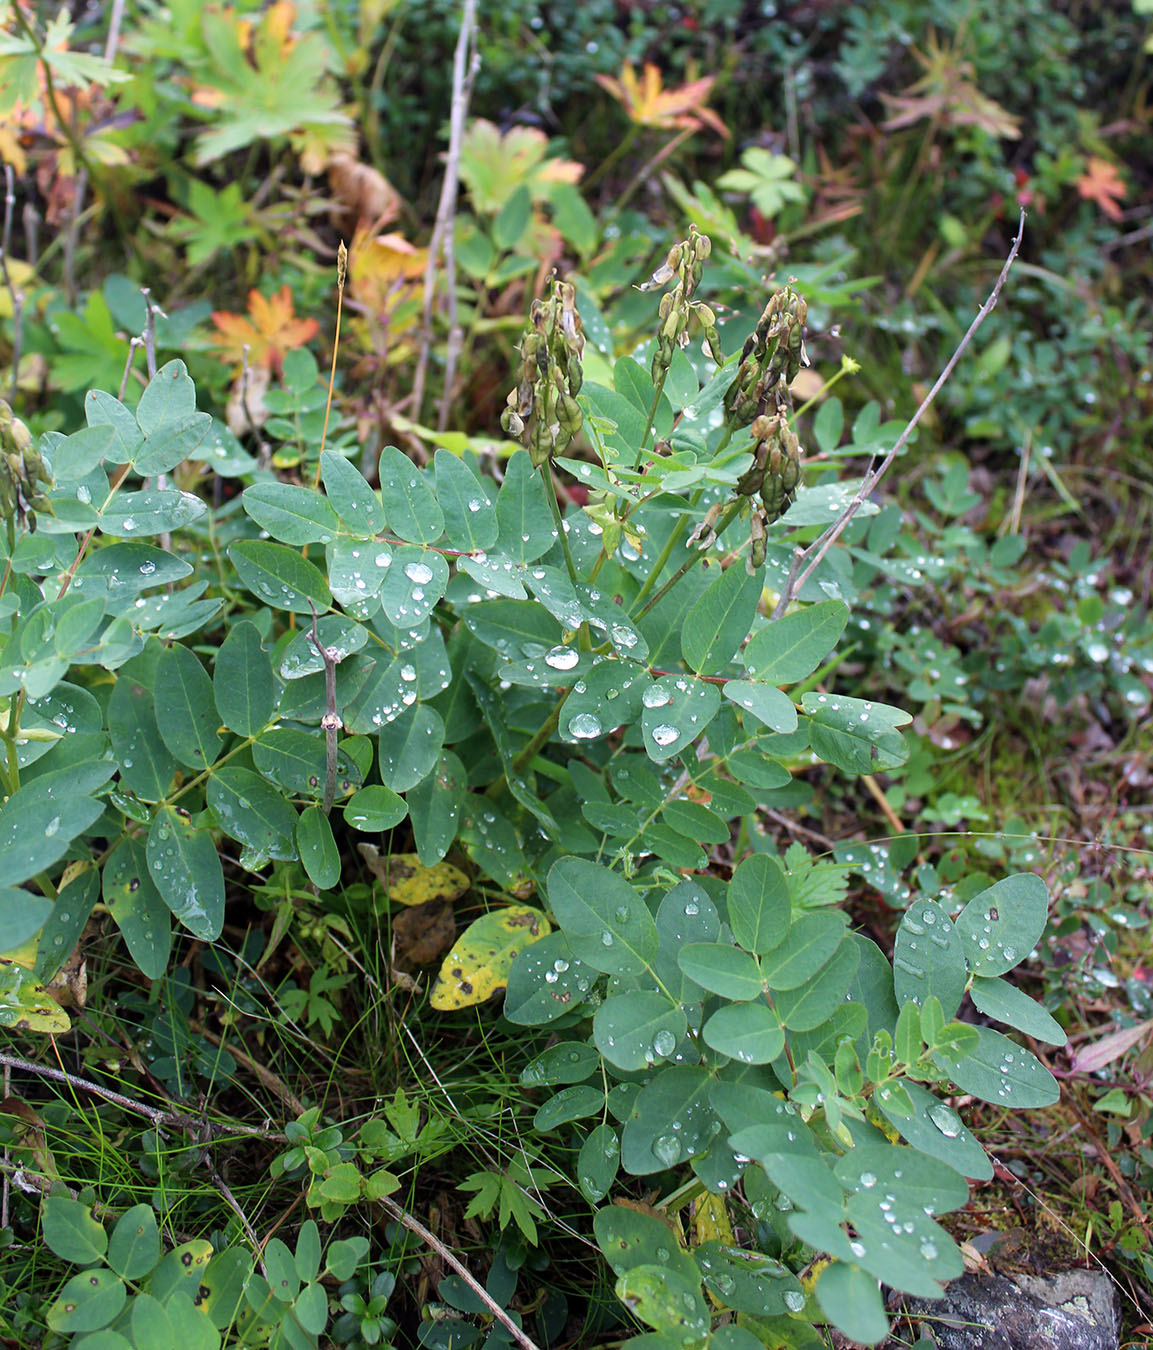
{"points": [[263, 80]]}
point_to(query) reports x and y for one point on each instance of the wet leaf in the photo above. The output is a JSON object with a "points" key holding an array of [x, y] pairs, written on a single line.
{"points": [[25, 1004], [479, 963], [407, 881]]}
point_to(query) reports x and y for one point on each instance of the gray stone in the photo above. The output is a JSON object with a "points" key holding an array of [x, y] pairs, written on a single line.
{"points": [[1073, 1310]]}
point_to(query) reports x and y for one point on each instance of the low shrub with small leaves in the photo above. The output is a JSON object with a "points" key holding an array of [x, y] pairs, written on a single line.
{"points": [[563, 698]]}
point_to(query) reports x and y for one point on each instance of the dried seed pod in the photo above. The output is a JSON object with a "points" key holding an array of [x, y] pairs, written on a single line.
{"points": [[705, 534]]}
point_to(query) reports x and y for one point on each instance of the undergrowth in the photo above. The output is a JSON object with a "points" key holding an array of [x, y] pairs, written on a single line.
{"points": [[521, 837]]}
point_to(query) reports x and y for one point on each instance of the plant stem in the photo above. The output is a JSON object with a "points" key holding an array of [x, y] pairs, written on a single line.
{"points": [[726, 518], [658, 389]]}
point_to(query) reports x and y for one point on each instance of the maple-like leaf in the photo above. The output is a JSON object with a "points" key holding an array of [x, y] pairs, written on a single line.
{"points": [[493, 164], [384, 271], [1101, 183], [649, 104], [947, 94], [264, 81], [270, 330]]}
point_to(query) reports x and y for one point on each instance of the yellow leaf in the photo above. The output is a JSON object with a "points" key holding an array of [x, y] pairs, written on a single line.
{"points": [[25, 1004], [407, 881], [25, 954], [478, 965], [649, 104], [711, 1221]]}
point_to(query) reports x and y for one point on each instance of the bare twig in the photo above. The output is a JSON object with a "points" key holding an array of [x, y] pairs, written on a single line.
{"points": [[149, 335], [31, 218], [15, 296], [874, 789], [113, 40], [465, 64], [815, 553], [132, 346], [175, 1119], [413, 1225], [232, 1203]]}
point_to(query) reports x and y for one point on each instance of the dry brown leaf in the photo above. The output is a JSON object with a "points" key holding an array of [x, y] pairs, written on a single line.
{"points": [[422, 935], [363, 194]]}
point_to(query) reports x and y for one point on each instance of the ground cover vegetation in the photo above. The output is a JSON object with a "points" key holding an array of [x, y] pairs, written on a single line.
{"points": [[575, 668]]}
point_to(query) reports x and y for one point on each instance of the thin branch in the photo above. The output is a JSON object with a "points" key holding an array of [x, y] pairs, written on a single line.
{"points": [[413, 1225], [816, 551], [149, 336], [175, 1119], [462, 81], [16, 297]]}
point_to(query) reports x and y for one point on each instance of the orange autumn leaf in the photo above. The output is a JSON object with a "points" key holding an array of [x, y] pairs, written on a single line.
{"points": [[649, 104], [270, 330], [1101, 183], [384, 270]]}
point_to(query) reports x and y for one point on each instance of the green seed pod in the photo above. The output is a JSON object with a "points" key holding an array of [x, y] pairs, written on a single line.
{"points": [[575, 372], [773, 496], [570, 416]]}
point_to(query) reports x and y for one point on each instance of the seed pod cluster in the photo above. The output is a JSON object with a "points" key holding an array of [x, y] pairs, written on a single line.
{"points": [[770, 359], [23, 476], [685, 262], [542, 410]]}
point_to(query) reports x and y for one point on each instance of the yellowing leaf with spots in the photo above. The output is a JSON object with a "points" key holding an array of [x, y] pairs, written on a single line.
{"points": [[25, 1004], [408, 882], [711, 1220], [478, 965]]}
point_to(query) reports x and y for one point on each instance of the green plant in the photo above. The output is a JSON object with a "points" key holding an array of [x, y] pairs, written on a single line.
{"points": [[133, 1292], [614, 687]]}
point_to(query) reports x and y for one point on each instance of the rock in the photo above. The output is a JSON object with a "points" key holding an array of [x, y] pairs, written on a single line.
{"points": [[1072, 1310]]}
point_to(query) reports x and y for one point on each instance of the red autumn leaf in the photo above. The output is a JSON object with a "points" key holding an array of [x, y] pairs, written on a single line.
{"points": [[270, 330], [1101, 183]]}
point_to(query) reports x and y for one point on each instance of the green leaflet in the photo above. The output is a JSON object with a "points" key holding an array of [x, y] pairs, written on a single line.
{"points": [[999, 927], [280, 577], [317, 848], [184, 864], [410, 747], [251, 811], [355, 502], [410, 504], [242, 681], [855, 734], [524, 521], [638, 1029], [852, 1301], [720, 620], [606, 922], [469, 513], [791, 648], [676, 712], [294, 515], [136, 905], [759, 907], [186, 713]]}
